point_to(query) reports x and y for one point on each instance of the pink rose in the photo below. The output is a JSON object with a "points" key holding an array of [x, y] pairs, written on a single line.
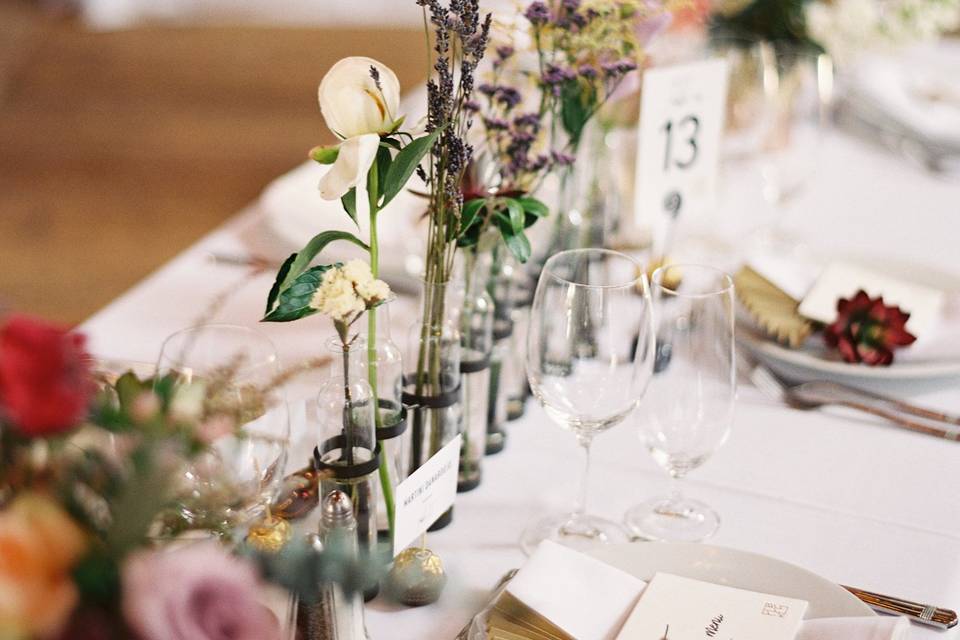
{"points": [[199, 592]]}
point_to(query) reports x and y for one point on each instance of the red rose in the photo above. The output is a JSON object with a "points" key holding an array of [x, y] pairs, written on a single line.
{"points": [[45, 379]]}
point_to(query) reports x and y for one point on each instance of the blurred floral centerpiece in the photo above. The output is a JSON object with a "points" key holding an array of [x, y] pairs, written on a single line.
{"points": [[89, 474]]}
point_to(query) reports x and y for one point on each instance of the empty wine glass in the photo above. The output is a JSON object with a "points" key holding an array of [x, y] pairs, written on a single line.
{"points": [[689, 407], [587, 366], [229, 371], [799, 88]]}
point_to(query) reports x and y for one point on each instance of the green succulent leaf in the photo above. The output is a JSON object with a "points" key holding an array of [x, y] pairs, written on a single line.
{"points": [[325, 155], [294, 301], [405, 164]]}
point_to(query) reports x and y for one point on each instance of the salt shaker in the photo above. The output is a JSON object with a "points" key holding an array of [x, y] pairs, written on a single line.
{"points": [[338, 530]]}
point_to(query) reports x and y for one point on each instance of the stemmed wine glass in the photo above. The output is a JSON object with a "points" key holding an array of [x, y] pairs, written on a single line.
{"points": [[799, 92], [689, 408], [587, 366], [231, 484]]}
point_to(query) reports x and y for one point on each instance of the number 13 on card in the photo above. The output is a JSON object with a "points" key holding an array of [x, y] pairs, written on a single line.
{"points": [[681, 120]]}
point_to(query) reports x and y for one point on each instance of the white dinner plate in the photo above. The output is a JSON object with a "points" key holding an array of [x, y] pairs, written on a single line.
{"points": [[934, 357], [734, 568]]}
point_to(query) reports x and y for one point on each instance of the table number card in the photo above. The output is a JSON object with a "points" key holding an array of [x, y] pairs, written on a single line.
{"points": [[425, 495], [675, 608], [681, 120]]}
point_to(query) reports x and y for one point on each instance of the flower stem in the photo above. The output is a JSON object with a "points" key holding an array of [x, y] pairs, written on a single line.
{"points": [[384, 469]]}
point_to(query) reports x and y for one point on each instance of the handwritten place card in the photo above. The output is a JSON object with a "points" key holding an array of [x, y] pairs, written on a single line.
{"points": [[425, 495], [675, 608]]}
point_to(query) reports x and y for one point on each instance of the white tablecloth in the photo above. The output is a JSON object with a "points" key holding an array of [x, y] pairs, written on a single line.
{"points": [[849, 498]]}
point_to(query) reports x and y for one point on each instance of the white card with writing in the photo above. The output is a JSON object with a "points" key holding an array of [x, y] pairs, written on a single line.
{"points": [[425, 495], [675, 608], [681, 120]]}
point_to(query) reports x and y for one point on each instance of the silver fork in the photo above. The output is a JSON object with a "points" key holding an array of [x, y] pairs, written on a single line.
{"points": [[811, 395]]}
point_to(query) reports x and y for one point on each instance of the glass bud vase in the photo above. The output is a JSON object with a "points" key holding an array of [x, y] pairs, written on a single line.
{"points": [[431, 383], [381, 365], [500, 287], [347, 454], [516, 387], [476, 342]]}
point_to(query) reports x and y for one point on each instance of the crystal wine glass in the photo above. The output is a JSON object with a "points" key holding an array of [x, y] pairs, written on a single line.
{"points": [[689, 409], [799, 93], [587, 366], [232, 483]]}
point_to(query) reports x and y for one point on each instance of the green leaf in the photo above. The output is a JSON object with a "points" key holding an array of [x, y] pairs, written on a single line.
{"points": [[384, 159], [349, 201], [298, 263], [534, 206], [516, 214], [518, 243], [294, 301], [325, 155], [129, 387], [281, 276], [575, 102], [468, 215], [405, 164]]}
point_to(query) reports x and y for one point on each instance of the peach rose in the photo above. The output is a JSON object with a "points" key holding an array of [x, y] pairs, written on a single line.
{"points": [[39, 545]]}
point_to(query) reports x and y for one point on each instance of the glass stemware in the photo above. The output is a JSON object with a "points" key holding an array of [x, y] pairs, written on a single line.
{"points": [[232, 484], [688, 412], [587, 366], [799, 92]]}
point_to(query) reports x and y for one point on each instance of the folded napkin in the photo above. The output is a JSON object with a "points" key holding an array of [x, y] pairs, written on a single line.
{"points": [[879, 628], [585, 598]]}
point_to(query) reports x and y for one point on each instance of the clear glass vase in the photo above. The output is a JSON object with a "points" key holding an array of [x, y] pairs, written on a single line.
{"points": [[381, 364], [500, 288], [347, 452], [476, 342], [431, 384]]}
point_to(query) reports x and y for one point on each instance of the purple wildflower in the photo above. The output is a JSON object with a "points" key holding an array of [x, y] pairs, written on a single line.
{"points": [[487, 89], [471, 106], [496, 124], [586, 71], [537, 13], [508, 97], [527, 120], [505, 51]]}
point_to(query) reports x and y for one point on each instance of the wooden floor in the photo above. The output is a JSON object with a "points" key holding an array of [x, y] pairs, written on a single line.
{"points": [[117, 150]]}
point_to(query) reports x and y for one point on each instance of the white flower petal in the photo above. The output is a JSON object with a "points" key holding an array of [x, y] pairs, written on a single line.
{"points": [[354, 160], [351, 102]]}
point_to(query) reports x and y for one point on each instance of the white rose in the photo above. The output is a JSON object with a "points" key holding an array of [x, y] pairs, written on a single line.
{"points": [[351, 101], [357, 108]]}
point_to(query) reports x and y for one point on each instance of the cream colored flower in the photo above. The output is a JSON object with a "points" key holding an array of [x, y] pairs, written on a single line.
{"points": [[347, 291], [360, 100]]}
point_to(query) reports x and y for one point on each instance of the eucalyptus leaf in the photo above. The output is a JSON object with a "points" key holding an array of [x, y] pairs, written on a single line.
{"points": [[468, 215], [406, 163], [294, 300]]}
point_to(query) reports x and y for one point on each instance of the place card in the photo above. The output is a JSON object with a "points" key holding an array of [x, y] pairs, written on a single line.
{"points": [[562, 594], [425, 495], [681, 121], [843, 280], [675, 608]]}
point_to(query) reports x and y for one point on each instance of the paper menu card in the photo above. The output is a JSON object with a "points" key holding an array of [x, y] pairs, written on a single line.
{"points": [[675, 608], [578, 596]]}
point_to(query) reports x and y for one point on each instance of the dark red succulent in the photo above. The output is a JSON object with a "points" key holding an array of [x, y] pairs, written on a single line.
{"points": [[867, 330]]}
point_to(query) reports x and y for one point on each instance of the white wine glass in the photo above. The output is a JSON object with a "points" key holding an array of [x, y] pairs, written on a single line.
{"points": [[689, 407], [587, 367], [231, 484]]}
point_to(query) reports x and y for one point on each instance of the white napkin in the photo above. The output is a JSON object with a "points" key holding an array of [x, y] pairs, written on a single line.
{"points": [[879, 628], [588, 599]]}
